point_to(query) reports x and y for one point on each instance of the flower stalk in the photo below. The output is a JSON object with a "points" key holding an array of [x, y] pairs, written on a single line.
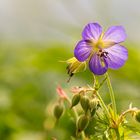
{"points": [[100, 98], [103, 104], [112, 97]]}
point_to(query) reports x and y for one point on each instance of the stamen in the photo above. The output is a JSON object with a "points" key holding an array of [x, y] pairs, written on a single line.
{"points": [[102, 53]]}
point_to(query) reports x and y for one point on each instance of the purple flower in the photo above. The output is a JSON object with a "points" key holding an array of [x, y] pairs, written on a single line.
{"points": [[102, 50]]}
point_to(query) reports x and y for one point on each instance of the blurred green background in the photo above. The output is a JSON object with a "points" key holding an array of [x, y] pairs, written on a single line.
{"points": [[34, 36]]}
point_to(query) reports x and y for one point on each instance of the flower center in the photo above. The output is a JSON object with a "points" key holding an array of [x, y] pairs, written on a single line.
{"points": [[98, 46], [100, 43]]}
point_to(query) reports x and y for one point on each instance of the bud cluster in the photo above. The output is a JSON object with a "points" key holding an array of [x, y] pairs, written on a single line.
{"points": [[85, 99], [89, 103], [85, 103]]}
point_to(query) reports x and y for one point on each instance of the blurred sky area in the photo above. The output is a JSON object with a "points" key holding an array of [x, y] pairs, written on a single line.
{"points": [[63, 20]]}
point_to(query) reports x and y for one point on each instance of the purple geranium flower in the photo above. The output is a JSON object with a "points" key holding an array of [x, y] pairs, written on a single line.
{"points": [[102, 50]]}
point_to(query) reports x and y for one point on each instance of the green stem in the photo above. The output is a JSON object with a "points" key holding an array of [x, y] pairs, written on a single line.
{"points": [[117, 134], [102, 83], [111, 95], [76, 117], [101, 100], [103, 104]]}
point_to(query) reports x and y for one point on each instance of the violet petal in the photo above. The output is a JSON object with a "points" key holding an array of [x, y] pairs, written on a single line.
{"points": [[117, 55], [92, 31], [82, 51], [98, 66], [114, 34]]}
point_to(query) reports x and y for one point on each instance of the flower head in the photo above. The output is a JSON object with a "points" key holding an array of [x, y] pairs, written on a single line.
{"points": [[102, 50]]}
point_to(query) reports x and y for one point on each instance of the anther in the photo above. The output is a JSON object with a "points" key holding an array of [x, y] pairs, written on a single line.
{"points": [[104, 54]]}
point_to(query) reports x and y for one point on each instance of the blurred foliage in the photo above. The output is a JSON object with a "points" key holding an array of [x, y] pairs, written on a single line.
{"points": [[29, 73]]}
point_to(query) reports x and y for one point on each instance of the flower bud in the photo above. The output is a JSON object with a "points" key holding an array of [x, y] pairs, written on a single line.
{"points": [[75, 100], [75, 66], [58, 110], [84, 101], [93, 104], [137, 117], [61, 92], [82, 123], [93, 112]]}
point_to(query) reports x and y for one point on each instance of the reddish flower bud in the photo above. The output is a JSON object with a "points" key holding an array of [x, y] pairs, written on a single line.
{"points": [[61, 92]]}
